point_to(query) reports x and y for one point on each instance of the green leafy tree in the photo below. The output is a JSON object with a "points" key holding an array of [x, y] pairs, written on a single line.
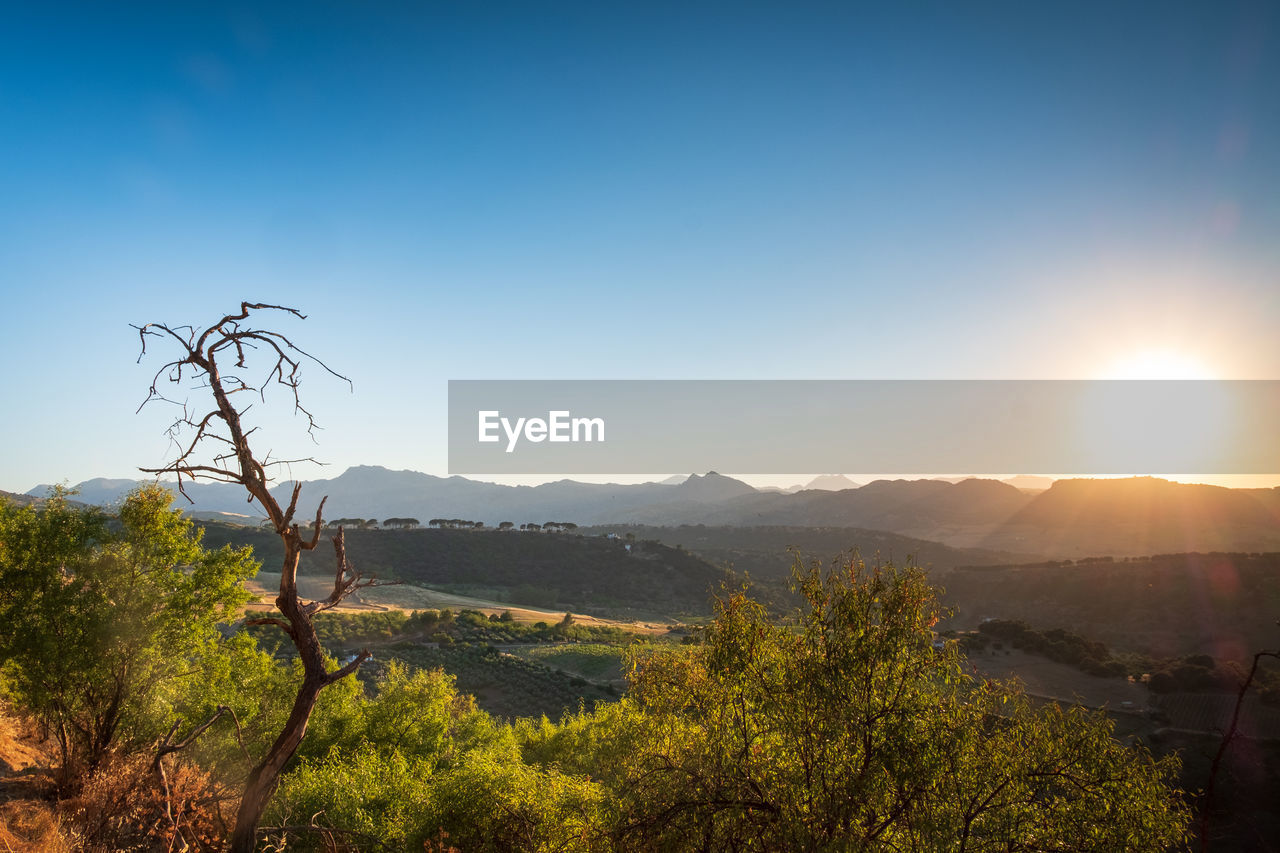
{"points": [[849, 731], [104, 624], [422, 759], [564, 625]]}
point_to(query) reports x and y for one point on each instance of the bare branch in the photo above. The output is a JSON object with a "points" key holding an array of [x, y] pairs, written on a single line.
{"points": [[340, 558], [215, 446], [346, 579], [327, 832], [157, 329], [1227, 738], [270, 620], [339, 674], [166, 746], [200, 354], [293, 503], [240, 736], [245, 308], [315, 533]]}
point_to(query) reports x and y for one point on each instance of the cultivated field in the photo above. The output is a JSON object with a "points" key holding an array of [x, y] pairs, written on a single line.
{"points": [[1051, 680], [408, 597], [594, 661]]}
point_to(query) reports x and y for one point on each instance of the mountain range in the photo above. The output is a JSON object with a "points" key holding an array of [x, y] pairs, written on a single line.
{"points": [[1070, 519]]}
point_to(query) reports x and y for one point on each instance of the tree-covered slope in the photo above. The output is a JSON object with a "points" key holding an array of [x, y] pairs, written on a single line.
{"points": [[588, 574]]}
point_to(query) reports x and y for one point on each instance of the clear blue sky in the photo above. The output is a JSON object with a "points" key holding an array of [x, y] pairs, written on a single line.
{"points": [[643, 190]]}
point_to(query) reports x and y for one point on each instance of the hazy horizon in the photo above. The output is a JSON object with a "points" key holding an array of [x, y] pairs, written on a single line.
{"points": [[777, 481]]}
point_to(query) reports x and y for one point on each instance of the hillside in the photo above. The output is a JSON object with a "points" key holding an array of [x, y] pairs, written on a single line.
{"points": [[768, 552], [554, 571], [1142, 515], [1224, 605], [1070, 520], [21, 500]]}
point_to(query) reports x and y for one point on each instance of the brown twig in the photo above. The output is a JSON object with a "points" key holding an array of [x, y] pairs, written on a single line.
{"points": [[1227, 738], [314, 827], [166, 747]]}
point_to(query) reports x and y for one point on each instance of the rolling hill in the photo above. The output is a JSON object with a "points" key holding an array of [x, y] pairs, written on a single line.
{"points": [[1070, 519], [768, 552], [560, 571], [1166, 605]]}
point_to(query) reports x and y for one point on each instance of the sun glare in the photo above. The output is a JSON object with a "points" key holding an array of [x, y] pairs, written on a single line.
{"points": [[1143, 427], [1158, 364]]}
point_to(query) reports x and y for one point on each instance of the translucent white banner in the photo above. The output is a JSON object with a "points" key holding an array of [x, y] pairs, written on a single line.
{"points": [[909, 427]]}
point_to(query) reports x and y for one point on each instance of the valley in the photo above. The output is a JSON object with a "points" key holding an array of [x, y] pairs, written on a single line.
{"points": [[1060, 591]]}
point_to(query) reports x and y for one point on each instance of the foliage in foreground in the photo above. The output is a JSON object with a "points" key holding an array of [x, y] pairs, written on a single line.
{"points": [[104, 627], [846, 731], [417, 758]]}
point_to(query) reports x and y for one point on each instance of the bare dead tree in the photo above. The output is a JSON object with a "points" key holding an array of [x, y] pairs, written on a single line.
{"points": [[213, 444], [1231, 734]]}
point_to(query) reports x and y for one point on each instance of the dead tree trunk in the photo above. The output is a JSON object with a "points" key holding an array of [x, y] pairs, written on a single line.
{"points": [[233, 461], [262, 781]]}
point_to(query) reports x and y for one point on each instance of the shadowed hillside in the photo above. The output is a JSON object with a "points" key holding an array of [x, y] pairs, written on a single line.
{"points": [[768, 552], [558, 571], [1223, 605]]}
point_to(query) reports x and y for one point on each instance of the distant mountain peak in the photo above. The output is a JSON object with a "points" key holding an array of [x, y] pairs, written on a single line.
{"points": [[830, 483], [712, 486], [1029, 483]]}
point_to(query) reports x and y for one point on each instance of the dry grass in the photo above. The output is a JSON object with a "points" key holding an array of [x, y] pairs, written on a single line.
{"points": [[122, 807], [33, 826], [29, 822], [20, 746]]}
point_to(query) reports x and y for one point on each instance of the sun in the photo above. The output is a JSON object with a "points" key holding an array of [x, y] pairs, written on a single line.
{"points": [[1141, 426], [1158, 364]]}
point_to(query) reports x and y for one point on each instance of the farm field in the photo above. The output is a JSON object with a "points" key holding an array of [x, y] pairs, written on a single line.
{"points": [[503, 684], [409, 597], [1048, 679], [594, 661]]}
